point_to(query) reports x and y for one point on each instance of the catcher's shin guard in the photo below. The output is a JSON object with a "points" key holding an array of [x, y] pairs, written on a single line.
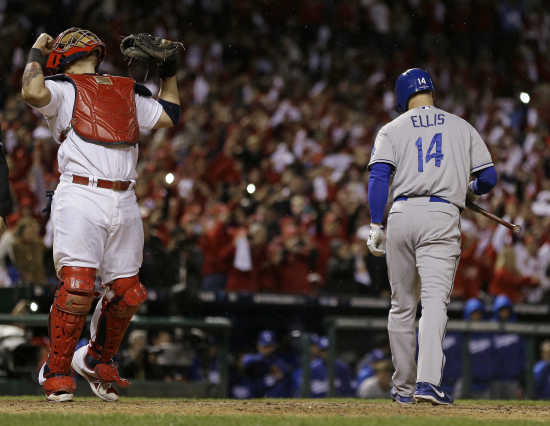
{"points": [[71, 304], [119, 304]]}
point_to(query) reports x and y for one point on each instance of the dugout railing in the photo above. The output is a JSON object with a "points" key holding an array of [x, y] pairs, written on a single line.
{"points": [[206, 303], [331, 303], [219, 325], [530, 332]]}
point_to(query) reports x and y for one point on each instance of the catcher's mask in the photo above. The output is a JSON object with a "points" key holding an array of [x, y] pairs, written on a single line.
{"points": [[72, 45]]}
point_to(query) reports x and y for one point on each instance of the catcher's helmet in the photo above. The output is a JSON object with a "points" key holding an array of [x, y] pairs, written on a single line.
{"points": [[71, 45], [412, 81]]}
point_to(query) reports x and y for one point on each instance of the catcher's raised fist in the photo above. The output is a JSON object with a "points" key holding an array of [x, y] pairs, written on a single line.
{"points": [[44, 42]]}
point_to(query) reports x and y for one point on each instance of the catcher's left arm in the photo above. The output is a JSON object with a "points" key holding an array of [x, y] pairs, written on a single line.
{"points": [[164, 54]]}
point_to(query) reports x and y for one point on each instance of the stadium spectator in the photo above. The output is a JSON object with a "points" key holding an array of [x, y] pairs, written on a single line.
{"points": [[217, 246], [341, 269], [480, 348], [452, 370], [533, 261], [365, 367], [249, 259], [508, 354], [267, 374], [379, 385], [506, 278], [206, 362], [8, 275], [270, 277], [319, 385], [184, 257], [541, 372], [468, 280], [297, 261], [172, 355], [154, 267], [134, 358], [29, 251]]}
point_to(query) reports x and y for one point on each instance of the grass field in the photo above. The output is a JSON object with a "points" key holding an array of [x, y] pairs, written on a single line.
{"points": [[32, 410]]}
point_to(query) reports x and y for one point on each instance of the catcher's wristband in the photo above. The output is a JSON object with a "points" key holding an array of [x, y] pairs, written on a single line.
{"points": [[35, 55]]}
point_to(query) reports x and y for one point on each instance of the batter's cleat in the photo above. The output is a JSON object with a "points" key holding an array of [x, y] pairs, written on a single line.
{"points": [[403, 400], [100, 383], [426, 392], [56, 388]]}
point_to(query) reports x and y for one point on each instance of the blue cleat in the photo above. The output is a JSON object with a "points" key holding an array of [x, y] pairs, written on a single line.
{"points": [[404, 400], [426, 392]]}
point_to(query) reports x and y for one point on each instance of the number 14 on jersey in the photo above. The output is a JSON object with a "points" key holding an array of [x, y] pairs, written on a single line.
{"points": [[437, 155]]}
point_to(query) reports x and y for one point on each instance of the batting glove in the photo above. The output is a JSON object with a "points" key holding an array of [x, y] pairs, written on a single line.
{"points": [[470, 193], [377, 240]]}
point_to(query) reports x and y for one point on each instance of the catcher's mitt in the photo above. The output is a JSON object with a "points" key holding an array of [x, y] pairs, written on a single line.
{"points": [[147, 49]]}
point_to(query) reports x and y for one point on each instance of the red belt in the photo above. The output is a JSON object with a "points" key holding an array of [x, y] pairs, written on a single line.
{"points": [[115, 185]]}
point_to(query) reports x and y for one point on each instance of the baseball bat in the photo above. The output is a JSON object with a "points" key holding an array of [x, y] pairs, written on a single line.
{"points": [[474, 207]]}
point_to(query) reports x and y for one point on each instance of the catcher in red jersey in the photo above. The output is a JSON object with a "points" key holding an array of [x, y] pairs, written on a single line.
{"points": [[97, 228]]}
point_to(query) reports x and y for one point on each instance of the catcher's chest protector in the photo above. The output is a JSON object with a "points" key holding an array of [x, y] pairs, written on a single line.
{"points": [[104, 109]]}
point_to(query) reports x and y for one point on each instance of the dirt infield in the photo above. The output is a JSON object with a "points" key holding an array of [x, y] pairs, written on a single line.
{"points": [[326, 408]]}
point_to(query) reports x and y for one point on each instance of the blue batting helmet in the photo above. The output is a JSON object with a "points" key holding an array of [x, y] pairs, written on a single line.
{"points": [[473, 305], [412, 81], [501, 302]]}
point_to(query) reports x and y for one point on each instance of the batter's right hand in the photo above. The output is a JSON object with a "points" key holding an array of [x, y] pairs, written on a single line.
{"points": [[471, 194], [44, 42], [377, 240]]}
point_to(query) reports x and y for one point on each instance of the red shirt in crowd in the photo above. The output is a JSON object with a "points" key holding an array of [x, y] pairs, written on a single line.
{"points": [[510, 284], [217, 248], [294, 273], [250, 281]]}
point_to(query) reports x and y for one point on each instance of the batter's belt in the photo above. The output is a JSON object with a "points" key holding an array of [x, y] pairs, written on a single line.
{"points": [[115, 185], [433, 199]]}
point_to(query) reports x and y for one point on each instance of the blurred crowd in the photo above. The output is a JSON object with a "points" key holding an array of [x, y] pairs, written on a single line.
{"points": [[263, 184]]}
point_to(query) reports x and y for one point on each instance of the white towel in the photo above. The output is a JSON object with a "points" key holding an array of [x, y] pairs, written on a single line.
{"points": [[243, 259]]}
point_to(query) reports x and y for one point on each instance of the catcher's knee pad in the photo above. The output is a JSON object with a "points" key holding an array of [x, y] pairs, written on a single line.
{"points": [[76, 293], [67, 317], [119, 304], [129, 294]]}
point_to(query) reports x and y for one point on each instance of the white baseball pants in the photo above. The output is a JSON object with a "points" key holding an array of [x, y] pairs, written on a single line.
{"points": [[97, 228]]}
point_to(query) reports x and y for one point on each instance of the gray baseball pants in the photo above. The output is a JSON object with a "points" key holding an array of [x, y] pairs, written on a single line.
{"points": [[422, 253]]}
